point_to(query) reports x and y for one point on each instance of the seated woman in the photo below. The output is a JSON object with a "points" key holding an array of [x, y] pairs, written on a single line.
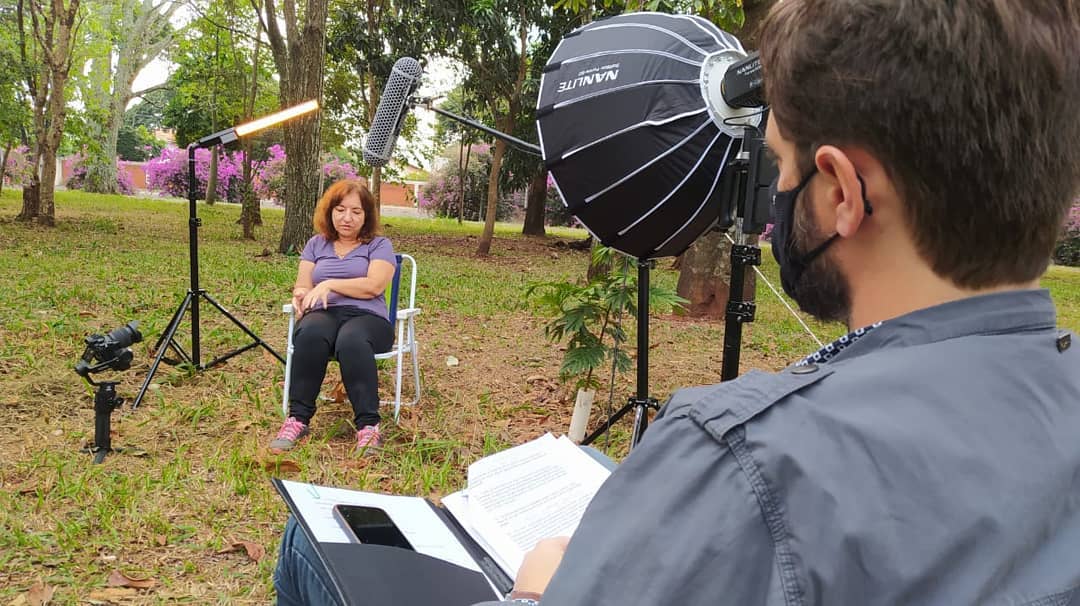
{"points": [[338, 300]]}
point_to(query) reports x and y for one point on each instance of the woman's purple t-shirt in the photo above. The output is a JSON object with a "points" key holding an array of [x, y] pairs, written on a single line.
{"points": [[320, 251]]}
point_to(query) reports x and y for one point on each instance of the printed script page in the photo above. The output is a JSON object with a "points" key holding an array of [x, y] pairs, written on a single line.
{"points": [[530, 492]]}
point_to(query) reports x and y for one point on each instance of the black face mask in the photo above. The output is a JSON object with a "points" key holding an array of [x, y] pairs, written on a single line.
{"points": [[793, 263]]}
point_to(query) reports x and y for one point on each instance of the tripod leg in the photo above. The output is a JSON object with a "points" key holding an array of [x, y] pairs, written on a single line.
{"points": [[589, 439], [250, 333], [641, 423], [163, 342]]}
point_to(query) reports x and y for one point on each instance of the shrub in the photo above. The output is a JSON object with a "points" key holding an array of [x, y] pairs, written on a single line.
{"points": [[18, 167], [77, 165], [168, 173], [1067, 251], [270, 174]]}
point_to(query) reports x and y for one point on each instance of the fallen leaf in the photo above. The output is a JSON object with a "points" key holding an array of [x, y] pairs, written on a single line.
{"points": [[161, 540], [254, 551], [338, 394], [119, 579], [40, 594], [111, 595], [282, 466]]}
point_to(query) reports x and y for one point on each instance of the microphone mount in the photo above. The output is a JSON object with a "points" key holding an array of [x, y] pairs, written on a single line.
{"points": [[428, 103]]}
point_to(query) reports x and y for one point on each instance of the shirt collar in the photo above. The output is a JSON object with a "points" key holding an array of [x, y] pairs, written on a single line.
{"points": [[1010, 311]]}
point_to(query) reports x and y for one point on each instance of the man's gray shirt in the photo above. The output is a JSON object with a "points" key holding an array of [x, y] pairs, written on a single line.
{"points": [[934, 461]]}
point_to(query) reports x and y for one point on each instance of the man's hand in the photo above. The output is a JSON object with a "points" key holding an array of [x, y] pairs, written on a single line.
{"points": [[540, 565]]}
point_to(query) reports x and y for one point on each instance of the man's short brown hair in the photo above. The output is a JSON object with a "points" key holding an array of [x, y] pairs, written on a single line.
{"points": [[324, 210], [973, 107]]}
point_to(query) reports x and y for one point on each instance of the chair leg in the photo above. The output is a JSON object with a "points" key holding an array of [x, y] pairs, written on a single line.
{"points": [[397, 385], [288, 367], [414, 353]]}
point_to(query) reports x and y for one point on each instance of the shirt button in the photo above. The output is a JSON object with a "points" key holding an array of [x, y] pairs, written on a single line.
{"points": [[805, 369]]}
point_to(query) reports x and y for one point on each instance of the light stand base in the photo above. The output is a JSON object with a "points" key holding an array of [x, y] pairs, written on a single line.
{"points": [[641, 419], [168, 340]]}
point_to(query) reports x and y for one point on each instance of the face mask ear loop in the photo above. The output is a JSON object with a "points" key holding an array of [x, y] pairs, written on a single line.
{"points": [[869, 210]]}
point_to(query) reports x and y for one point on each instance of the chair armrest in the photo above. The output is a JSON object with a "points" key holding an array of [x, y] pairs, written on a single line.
{"points": [[405, 314], [286, 308]]}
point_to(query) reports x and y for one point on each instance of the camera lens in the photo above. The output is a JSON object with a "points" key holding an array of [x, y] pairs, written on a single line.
{"points": [[125, 335]]}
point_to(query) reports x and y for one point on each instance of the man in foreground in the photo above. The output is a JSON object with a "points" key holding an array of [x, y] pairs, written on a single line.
{"points": [[927, 153]]}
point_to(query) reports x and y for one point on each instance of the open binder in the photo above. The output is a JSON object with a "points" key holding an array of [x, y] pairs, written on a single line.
{"points": [[468, 549], [377, 574]]}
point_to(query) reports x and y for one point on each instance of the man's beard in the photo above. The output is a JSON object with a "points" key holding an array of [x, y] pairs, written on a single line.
{"points": [[822, 291]]}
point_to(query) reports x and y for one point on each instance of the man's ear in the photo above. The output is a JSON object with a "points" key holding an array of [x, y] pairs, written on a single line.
{"points": [[844, 192]]}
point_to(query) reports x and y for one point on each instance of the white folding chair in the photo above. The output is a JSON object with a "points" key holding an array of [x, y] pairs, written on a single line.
{"points": [[404, 342]]}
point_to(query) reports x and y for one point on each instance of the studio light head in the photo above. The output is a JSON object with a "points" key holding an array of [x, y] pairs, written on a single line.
{"points": [[110, 351]]}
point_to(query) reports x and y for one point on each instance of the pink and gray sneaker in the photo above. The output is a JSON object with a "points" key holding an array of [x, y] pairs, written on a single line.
{"points": [[368, 439], [292, 430]]}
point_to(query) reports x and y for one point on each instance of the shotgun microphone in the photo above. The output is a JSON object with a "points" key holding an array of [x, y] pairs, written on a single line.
{"points": [[390, 115]]}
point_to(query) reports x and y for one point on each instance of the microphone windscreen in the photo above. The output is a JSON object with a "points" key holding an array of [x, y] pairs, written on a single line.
{"points": [[390, 115]]}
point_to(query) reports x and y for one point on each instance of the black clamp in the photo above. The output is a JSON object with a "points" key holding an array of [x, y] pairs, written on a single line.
{"points": [[195, 222], [745, 254], [742, 311], [652, 403]]}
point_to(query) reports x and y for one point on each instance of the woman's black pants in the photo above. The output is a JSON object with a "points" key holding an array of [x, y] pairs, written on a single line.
{"points": [[351, 335]]}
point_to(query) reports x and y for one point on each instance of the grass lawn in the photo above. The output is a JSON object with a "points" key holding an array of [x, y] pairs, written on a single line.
{"points": [[173, 515]]}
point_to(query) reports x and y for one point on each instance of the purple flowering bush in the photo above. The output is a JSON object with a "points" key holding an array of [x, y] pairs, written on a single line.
{"points": [[270, 174], [77, 165], [168, 173], [18, 168], [1067, 251], [441, 194]]}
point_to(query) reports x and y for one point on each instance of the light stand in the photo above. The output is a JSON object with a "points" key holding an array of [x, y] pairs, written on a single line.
{"points": [[194, 293], [746, 189], [753, 173], [640, 403]]}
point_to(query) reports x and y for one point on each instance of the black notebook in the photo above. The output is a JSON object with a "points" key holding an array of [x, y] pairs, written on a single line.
{"points": [[469, 549]]}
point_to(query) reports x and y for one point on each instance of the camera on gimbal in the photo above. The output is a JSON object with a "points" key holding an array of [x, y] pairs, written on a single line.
{"points": [[110, 351], [107, 352]]}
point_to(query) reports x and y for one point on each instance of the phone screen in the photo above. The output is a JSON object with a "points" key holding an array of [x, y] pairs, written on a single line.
{"points": [[370, 525]]}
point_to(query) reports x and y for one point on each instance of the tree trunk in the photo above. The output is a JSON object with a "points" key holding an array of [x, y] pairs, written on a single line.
{"points": [[464, 176], [31, 199], [250, 213], [211, 176], [302, 183], [461, 176], [101, 167], [144, 31], [536, 205], [483, 248], [705, 276], [3, 165], [376, 187], [596, 269]]}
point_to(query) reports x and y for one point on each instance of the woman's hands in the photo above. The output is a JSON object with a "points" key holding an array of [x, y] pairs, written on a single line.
{"points": [[316, 295], [298, 295]]}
